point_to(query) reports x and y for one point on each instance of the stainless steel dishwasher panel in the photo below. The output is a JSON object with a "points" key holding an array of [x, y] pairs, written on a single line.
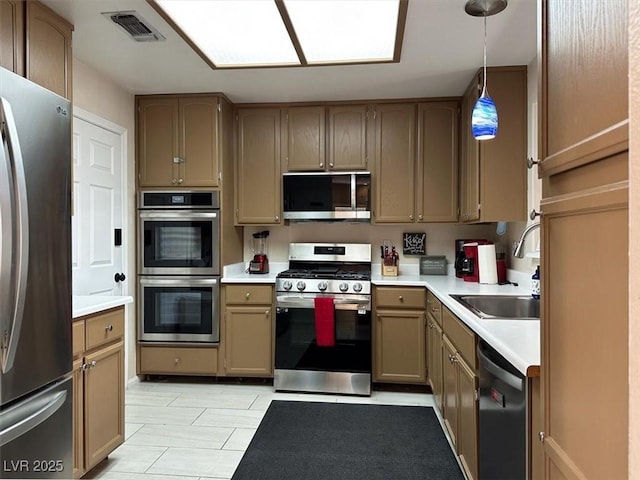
{"points": [[502, 418]]}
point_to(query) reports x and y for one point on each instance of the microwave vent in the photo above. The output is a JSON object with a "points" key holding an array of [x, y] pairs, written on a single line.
{"points": [[135, 26]]}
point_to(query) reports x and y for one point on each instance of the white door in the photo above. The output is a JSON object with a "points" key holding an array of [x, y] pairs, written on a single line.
{"points": [[97, 191]]}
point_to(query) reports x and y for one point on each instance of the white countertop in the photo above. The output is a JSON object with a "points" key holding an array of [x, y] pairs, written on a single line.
{"points": [[518, 341], [88, 304]]}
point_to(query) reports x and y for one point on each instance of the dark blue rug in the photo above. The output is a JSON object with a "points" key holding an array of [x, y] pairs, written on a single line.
{"points": [[333, 441]]}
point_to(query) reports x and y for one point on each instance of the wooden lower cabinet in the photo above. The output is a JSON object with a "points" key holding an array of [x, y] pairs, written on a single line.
{"points": [[103, 403], [248, 330], [460, 391], [399, 346], [178, 360], [98, 382]]}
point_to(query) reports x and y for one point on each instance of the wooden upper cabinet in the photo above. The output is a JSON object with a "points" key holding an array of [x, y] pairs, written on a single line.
{"points": [[198, 121], [178, 141], [437, 166], [394, 150], [305, 139], [157, 141], [12, 35], [495, 170], [348, 137], [258, 180], [48, 49], [585, 83]]}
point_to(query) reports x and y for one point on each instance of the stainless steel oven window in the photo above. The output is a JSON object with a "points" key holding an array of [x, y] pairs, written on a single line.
{"points": [[179, 309], [179, 242]]}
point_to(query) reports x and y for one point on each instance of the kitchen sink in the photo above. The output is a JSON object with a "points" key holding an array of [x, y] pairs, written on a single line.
{"points": [[497, 307]]}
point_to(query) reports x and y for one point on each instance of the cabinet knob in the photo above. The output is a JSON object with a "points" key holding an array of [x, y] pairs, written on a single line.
{"points": [[533, 214], [266, 312], [247, 295], [400, 298], [180, 180], [276, 218], [410, 217], [321, 165], [83, 367], [174, 181], [420, 217], [92, 364], [109, 328], [176, 360], [331, 165]]}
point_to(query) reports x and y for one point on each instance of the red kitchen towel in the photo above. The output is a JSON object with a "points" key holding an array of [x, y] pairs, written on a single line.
{"points": [[325, 322]]}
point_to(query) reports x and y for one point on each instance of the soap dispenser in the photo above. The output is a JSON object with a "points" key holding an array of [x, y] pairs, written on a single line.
{"points": [[535, 283]]}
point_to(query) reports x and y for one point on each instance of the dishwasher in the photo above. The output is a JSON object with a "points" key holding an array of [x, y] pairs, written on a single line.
{"points": [[502, 418]]}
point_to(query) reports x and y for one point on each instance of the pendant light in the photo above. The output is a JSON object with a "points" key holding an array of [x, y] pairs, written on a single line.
{"points": [[484, 118]]}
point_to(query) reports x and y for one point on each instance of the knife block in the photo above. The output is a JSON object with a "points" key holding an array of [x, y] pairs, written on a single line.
{"points": [[389, 270]]}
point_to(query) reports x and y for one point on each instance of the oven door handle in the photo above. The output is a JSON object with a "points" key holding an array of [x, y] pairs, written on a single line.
{"points": [[178, 216], [338, 304]]}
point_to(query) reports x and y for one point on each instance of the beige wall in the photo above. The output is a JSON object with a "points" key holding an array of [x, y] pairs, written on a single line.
{"points": [[440, 237], [634, 239], [97, 94]]}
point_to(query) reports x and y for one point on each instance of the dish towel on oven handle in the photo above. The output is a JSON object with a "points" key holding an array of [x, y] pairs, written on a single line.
{"points": [[325, 321]]}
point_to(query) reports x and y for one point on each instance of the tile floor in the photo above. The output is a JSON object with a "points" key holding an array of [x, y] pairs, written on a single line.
{"points": [[191, 431]]}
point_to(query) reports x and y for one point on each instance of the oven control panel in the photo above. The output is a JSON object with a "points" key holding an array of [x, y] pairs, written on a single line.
{"points": [[322, 286]]}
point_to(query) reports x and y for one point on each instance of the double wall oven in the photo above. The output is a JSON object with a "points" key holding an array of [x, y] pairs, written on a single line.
{"points": [[179, 266], [323, 320]]}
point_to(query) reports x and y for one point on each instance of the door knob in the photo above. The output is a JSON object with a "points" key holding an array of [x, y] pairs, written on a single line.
{"points": [[119, 277]]}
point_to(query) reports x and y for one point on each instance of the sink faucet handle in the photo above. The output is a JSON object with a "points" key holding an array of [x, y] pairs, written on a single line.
{"points": [[534, 214]]}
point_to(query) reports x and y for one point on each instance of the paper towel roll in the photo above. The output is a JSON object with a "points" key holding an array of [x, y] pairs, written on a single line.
{"points": [[487, 270]]}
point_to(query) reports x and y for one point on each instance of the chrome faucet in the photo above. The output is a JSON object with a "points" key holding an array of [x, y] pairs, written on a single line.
{"points": [[518, 249]]}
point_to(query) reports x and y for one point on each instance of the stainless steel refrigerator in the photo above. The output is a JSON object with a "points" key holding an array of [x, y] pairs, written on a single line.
{"points": [[36, 395]]}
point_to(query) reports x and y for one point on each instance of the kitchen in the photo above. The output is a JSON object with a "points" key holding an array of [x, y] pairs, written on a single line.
{"points": [[115, 103]]}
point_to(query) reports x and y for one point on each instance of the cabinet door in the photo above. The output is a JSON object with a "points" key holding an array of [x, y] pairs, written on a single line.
{"points": [[198, 144], [248, 339], [103, 402], [437, 169], [305, 138], [434, 356], [449, 389], [348, 137], [399, 346], [12, 35], [503, 170], [158, 142], [258, 180], [470, 158], [78, 418], [467, 439], [395, 130], [48, 49]]}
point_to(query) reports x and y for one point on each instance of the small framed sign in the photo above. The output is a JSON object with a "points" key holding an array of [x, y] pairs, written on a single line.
{"points": [[414, 243]]}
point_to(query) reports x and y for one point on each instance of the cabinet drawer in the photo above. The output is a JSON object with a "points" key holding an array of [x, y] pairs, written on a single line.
{"points": [[77, 338], [178, 360], [462, 338], [104, 327], [394, 297], [434, 308], [249, 294]]}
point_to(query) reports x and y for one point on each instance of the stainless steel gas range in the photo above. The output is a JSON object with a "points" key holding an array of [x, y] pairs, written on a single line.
{"points": [[323, 319]]}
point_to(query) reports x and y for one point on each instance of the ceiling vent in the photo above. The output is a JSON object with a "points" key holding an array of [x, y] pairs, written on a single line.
{"points": [[135, 26]]}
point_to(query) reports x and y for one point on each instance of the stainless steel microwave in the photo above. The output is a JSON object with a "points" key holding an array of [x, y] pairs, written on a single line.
{"points": [[327, 196]]}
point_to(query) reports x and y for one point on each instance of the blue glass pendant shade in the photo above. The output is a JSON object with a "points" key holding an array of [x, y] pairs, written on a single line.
{"points": [[484, 118]]}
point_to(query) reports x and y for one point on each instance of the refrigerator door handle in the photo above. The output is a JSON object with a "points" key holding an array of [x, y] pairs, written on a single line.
{"points": [[11, 336], [26, 418]]}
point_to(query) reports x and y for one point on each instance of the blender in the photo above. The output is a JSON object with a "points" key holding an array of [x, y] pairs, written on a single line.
{"points": [[260, 262]]}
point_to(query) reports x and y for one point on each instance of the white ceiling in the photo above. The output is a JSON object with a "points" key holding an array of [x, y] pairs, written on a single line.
{"points": [[442, 49]]}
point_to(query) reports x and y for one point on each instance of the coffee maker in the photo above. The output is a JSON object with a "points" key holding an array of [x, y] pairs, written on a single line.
{"points": [[260, 262], [470, 270], [460, 255]]}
